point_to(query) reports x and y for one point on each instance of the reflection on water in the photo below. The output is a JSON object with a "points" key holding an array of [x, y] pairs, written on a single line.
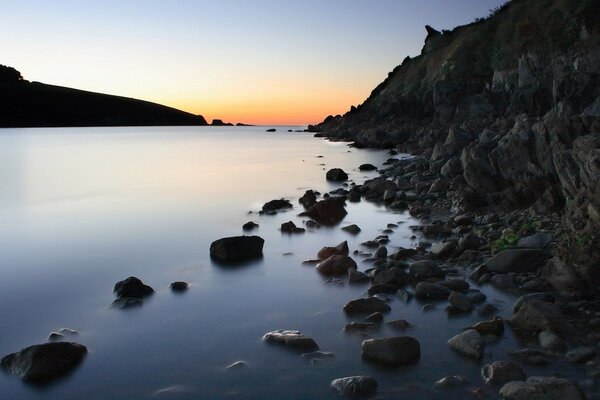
{"points": [[81, 209]]}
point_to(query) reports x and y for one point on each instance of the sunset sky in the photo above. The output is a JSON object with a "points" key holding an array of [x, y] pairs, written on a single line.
{"points": [[252, 61]]}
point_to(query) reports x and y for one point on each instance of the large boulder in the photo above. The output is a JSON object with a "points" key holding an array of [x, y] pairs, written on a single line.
{"points": [[294, 340], [237, 248], [355, 385], [535, 316], [392, 351], [516, 260], [274, 205], [336, 265], [339, 250], [308, 199], [366, 306], [391, 276], [327, 212], [431, 291], [468, 343], [542, 388], [42, 363], [425, 269], [336, 175], [132, 287], [500, 372]]}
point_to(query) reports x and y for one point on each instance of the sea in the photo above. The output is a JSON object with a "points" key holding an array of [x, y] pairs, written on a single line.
{"points": [[83, 208]]}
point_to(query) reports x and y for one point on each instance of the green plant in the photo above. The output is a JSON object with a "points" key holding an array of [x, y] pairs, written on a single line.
{"points": [[582, 240], [508, 240]]}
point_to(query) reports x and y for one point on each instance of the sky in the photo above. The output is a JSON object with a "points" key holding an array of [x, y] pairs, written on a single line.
{"points": [[253, 61]]}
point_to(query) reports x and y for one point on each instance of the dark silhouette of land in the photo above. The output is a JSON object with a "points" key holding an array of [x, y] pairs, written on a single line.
{"points": [[34, 104]]}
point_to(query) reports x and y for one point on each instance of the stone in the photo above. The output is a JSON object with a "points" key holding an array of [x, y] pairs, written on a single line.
{"points": [[294, 340], [339, 250], [327, 212], [421, 270], [495, 327], [548, 297], [237, 249], [539, 240], [336, 175], [458, 285], [435, 230], [469, 242], [353, 229], [516, 260], [391, 276], [463, 220], [426, 290], [375, 318], [179, 286], [366, 306], [542, 388], [127, 302], [250, 225], [475, 296], [501, 372], [290, 227], [459, 303], [336, 265], [318, 355], [367, 167], [361, 327], [443, 249], [439, 186], [468, 343], [399, 324], [487, 310], [237, 365], [308, 199], [535, 316], [132, 287], [382, 288], [451, 381], [503, 282], [381, 252], [355, 276], [580, 354], [393, 351], [276, 205], [42, 363], [355, 385]]}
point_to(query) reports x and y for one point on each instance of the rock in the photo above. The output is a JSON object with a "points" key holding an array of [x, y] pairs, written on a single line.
{"points": [[532, 356], [475, 296], [549, 340], [382, 288], [537, 241], [392, 351], [516, 260], [237, 248], [336, 265], [542, 388], [443, 249], [367, 167], [399, 324], [366, 306], [439, 186], [355, 385], [375, 318], [381, 252], [548, 297], [61, 334], [426, 290], [435, 230], [292, 339], [336, 175], [308, 199], [41, 363], [458, 285], [459, 303], [339, 250], [487, 310], [250, 225], [237, 365], [501, 372], [503, 282], [275, 205], [179, 286], [355, 276], [327, 212], [391, 276], [535, 316], [463, 220], [495, 327], [271, 130], [468, 343], [290, 227], [132, 287], [469, 242], [580, 354], [318, 355], [353, 229], [421, 270], [127, 302], [451, 381], [361, 327]]}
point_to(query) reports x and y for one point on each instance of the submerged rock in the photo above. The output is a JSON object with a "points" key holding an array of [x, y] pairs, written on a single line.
{"points": [[327, 212], [336, 265], [500, 372], [290, 227], [426, 290], [468, 343], [250, 225], [293, 339], [542, 388], [275, 205], [179, 286], [339, 250], [367, 167], [355, 385], [42, 363], [308, 199], [237, 248], [366, 306], [392, 351], [353, 229]]}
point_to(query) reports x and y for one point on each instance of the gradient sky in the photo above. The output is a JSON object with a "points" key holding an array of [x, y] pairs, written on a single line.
{"points": [[252, 61]]}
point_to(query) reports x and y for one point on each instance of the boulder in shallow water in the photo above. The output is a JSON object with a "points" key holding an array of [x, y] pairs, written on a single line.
{"points": [[132, 287], [542, 388], [336, 265], [327, 212], [500, 372], [308, 199], [367, 167], [275, 205], [355, 385], [293, 339], [339, 250], [468, 343], [290, 227], [392, 351], [42, 363], [516, 260], [336, 175], [366, 306], [179, 286], [237, 248]]}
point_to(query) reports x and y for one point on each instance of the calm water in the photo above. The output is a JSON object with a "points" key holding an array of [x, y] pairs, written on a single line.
{"points": [[81, 209]]}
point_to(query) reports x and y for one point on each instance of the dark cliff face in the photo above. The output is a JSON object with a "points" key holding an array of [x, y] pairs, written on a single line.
{"points": [[33, 104], [507, 108]]}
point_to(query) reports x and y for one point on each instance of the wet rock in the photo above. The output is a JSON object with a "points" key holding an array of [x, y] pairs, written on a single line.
{"points": [[403, 254], [62, 334], [391, 276], [367, 167], [336, 175], [463, 220], [469, 242], [532, 356], [179, 286], [42, 363], [353, 229], [421, 270], [548, 297], [375, 318], [399, 324], [535, 316], [459, 303], [361, 327], [292, 339], [339, 250], [580, 354], [237, 248], [468, 343], [539, 240], [542, 388], [487, 310], [336, 265], [495, 327], [458, 285], [271, 130], [451, 381], [355, 385], [382, 288], [381, 252], [443, 249], [549, 340], [290, 227], [308, 199], [276, 205], [501, 372], [435, 230], [516, 260], [250, 225], [503, 282], [439, 186], [127, 302], [426, 290], [475, 296], [132, 287], [318, 355], [392, 351], [366, 306], [327, 212], [355, 276]]}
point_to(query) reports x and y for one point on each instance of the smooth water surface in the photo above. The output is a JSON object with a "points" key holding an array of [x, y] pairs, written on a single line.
{"points": [[82, 208]]}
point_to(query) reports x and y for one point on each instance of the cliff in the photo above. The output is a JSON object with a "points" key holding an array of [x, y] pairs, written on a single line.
{"points": [[33, 104]]}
